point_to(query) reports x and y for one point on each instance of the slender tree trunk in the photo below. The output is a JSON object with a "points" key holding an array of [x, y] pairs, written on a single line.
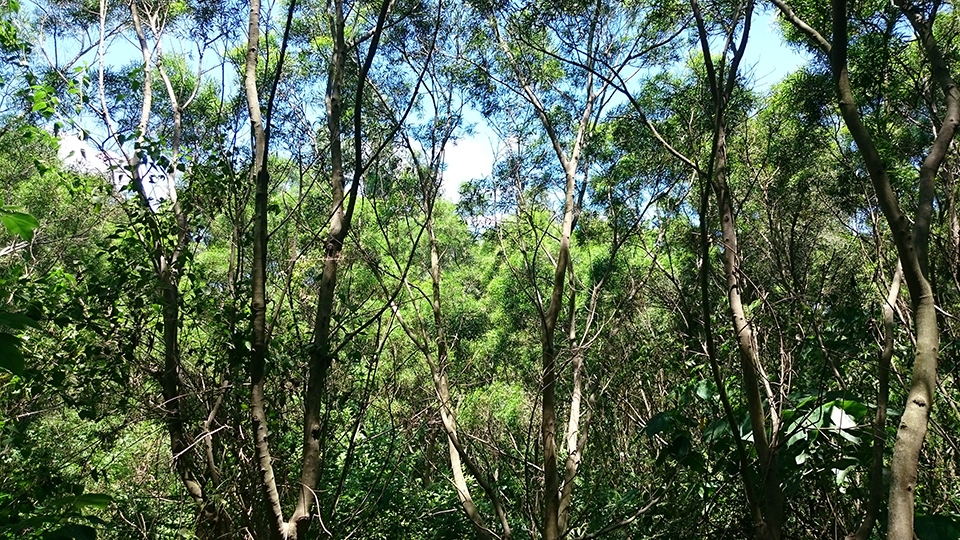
{"points": [[912, 247], [911, 242], [552, 527], [448, 415], [576, 438], [179, 442], [167, 263], [880, 418], [320, 349], [320, 359], [746, 346], [711, 349], [258, 277], [750, 368], [548, 426]]}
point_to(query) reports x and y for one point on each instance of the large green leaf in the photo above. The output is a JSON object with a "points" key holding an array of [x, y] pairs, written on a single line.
{"points": [[717, 430], [11, 358], [705, 390], [72, 532], [19, 223], [658, 423], [852, 407], [94, 500], [17, 321], [937, 527]]}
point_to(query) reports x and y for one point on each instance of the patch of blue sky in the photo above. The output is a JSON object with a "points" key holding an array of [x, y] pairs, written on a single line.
{"points": [[767, 61]]}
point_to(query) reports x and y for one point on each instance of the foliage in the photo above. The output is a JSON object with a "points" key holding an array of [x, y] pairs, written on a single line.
{"points": [[125, 277]]}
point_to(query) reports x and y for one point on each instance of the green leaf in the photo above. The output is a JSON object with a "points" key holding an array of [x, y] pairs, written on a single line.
{"points": [[937, 527], [17, 321], [705, 390], [853, 408], [716, 430], [86, 500], [94, 500], [19, 223], [841, 474], [680, 446], [11, 358], [800, 435], [841, 420], [72, 532], [658, 423], [852, 438]]}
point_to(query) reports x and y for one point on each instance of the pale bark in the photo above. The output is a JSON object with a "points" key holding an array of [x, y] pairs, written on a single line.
{"points": [[711, 349], [166, 261], [458, 454], [953, 220], [548, 427], [916, 414], [750, 368], [430, 177], [259, 128], [912, 247], [577, 422], [576, 440], [746, 346], [880, 417], [258, 302], [320, 350], [551, 525], [447, 413]]}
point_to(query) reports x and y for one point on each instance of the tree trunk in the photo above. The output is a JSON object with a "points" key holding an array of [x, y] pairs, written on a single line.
{"points": [[880, 418], [548, 426], [179, 443], [911, 242], [750, 368], [576, 438], [448, 415], [337, 229], [746, 346], [258, 277], [711, 349], [912, 248], [167, 263]]}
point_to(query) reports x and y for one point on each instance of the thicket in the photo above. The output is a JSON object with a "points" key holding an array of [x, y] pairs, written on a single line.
{"points": [[241, 296]]}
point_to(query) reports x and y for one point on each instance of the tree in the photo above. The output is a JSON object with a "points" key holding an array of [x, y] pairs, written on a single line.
{"points": [[912, 241]]}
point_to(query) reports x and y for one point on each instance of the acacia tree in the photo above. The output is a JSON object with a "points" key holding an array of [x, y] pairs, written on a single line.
{"points": [[574, 301], [911, 240], [149, 151], [559, 62], [722, 82], [444, 109], [519, 61], [355, 43], [722, 79]]}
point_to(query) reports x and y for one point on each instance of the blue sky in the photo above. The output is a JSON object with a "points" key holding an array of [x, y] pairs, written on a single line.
{"points": [[767, 58]]}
